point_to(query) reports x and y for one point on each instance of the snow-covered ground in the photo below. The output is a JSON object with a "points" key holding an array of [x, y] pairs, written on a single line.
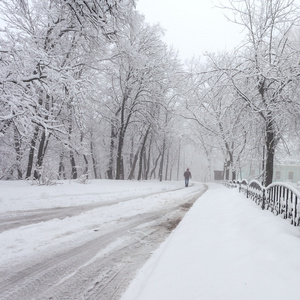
{"points": [[225, 248], [83, 241], [16, 197], [22, 195]]}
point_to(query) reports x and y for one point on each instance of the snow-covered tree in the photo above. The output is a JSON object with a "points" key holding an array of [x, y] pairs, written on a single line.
{"points": [[215, 110], [46, 52], [136, 88], [267, 66]]}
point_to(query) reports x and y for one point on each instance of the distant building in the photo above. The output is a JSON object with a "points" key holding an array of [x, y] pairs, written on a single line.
{"points": [[286, 173], [218, 175], [282, 172]]}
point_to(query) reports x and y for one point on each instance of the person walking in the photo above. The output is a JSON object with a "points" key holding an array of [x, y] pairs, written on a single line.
{"points": [[187, 175]]}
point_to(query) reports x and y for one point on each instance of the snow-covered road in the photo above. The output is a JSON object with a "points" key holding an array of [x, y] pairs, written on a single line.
{"points": [[15, 219], [84, 249]]}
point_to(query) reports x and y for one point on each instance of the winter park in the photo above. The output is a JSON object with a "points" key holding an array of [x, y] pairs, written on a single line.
{"points": [[149, 150]]}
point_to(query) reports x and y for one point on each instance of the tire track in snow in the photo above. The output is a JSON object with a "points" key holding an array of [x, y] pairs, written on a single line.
{"points": [[99, 269], [15, 219]]}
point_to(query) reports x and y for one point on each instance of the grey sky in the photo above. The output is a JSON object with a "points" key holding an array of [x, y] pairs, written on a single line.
{"points": [[192, 26]]}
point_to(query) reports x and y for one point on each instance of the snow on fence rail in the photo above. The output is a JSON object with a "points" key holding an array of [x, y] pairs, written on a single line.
{"points": [[280, 198]]}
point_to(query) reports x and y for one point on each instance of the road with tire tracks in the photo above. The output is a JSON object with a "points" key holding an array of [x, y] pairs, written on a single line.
{"points": [[101, 266]]}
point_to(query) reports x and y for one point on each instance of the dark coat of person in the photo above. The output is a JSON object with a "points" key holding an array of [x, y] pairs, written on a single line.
{"points": [[187, 174]]}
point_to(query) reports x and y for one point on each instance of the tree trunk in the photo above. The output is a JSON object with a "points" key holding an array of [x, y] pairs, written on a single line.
{"points": [[31, 152], [167, 165], [124, 121], [93, 160], [73, 165], [86, 167], [155, 165], [18, 152], [41, 154], [142, 154], [44, 140], [133, 164], [148, 160], [270, 152], [119, 162], [71, 153], [161, 165], [86, 162], [111, 153], [230, 166], [131, 156], [141, 163], [178, 163], [144, 164]]}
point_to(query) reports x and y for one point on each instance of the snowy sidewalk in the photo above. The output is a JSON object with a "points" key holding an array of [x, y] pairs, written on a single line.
{"points": [[225, 248]]}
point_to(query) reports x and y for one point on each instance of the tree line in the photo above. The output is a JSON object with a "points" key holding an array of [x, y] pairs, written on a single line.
{"points": [[246, 103], [88, 88]]}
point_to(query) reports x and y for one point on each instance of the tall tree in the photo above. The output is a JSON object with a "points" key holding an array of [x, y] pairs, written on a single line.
{"points": [[138, 69], [266, 66], [221, 118], [44, 58]]}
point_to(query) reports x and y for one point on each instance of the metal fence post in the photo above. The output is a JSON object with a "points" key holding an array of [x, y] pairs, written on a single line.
{"points": [[263, 199]]}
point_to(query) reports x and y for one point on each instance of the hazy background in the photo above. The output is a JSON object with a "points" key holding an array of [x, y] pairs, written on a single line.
{"points": [[192, 26]]}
